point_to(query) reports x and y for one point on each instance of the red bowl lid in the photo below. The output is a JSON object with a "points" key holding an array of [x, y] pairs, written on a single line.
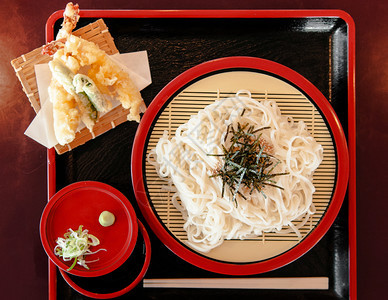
{"points": [[81, 203]]}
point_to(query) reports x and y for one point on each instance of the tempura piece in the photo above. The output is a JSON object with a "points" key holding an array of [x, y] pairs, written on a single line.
{"points": [[65, 77], [106, 74], [62, 75], [85, 85], [89, 114], [110, 74], [52, 47], [65, 113], [68, 60], [70, 20]]}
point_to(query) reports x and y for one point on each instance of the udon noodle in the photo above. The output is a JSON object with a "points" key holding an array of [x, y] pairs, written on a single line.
{"points": [[183, 160]]}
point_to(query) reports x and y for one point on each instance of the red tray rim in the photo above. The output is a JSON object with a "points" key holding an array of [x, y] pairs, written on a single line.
{"points": [[218, 13]]}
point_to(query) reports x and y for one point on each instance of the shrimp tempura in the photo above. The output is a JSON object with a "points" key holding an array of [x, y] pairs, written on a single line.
{"points": [[70, 20]]}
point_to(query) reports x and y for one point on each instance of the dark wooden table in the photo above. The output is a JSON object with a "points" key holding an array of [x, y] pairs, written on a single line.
{"points": [[23, 162]]}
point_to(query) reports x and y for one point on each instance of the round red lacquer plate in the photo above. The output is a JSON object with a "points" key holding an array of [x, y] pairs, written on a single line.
{"points": [[264, 79], [81, 204]]}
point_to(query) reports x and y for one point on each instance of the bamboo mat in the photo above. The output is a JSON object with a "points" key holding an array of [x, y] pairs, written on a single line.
{"points": [[189, 102]]}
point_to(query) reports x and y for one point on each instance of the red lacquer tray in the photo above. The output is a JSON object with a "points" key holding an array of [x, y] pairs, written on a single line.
{"points": [[177, 40]]}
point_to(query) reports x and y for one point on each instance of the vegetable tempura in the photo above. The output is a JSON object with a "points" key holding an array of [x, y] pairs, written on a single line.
{"points": [[84, 73]]}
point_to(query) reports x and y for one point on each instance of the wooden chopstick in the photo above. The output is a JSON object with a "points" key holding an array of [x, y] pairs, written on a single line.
{"points": [[292, 283]]}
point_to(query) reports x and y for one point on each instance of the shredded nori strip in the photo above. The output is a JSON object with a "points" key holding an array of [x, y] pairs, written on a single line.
{"points": [[245, 162]]}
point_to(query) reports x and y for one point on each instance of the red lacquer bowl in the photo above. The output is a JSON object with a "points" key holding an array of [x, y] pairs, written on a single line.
{"points": [[187, 80], [81, 204]]}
